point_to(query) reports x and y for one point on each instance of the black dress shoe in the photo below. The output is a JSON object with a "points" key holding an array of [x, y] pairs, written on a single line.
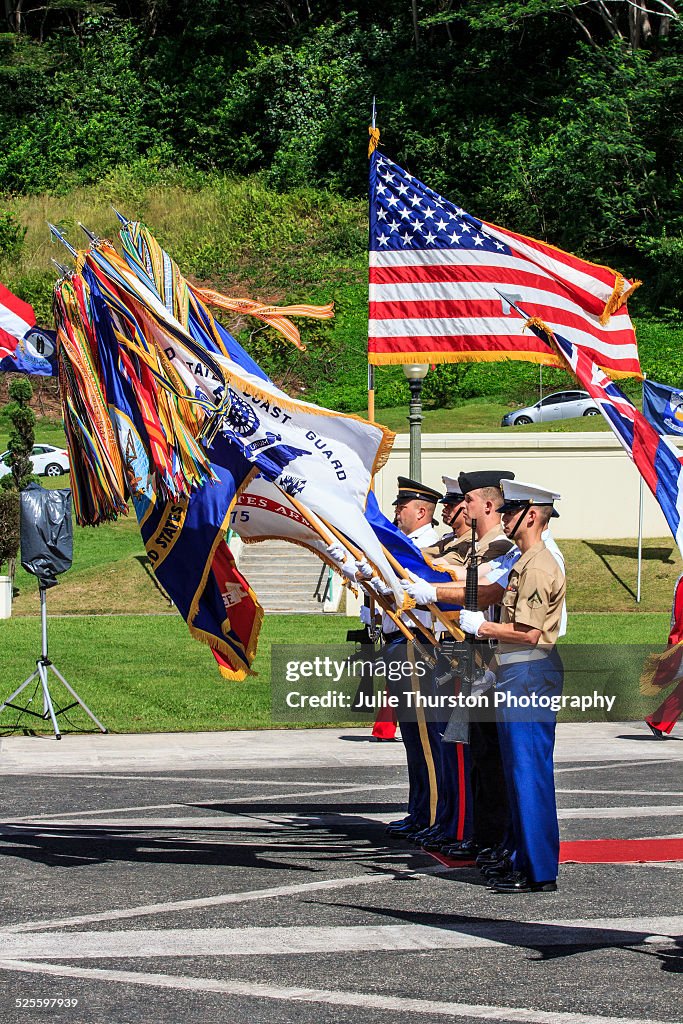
{"points": [[466, 850], [435, 842], [407, 833], [399, 824], [422, 835], [658, 734], [516, 882], [491, 855]]}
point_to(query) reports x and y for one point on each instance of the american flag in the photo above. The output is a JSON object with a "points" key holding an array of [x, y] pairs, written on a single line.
{"points": [[657, 460], [434, 271]]}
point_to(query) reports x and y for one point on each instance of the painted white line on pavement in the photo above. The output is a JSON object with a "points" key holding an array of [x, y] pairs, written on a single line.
{"points": [[218, 822], [365, 1001], [653, 811], [624, 792], [296, 794], [613, 764], [179, 778], [391, 875], [285, 941]]}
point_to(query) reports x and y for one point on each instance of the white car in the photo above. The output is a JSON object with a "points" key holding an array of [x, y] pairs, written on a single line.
{"points": [[47, 461]]}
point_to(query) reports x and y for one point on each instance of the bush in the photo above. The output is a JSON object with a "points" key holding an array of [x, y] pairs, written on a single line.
{"points": [[9, 525], [12, 236]]}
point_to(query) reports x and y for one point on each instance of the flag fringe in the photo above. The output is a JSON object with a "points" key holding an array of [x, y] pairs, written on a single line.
{"points": [[656, 665], [276, 317], [618, 297], [543, 358]]}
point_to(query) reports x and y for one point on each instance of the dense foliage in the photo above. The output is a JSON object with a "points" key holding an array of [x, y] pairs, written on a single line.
{"points": [[559, 118]]}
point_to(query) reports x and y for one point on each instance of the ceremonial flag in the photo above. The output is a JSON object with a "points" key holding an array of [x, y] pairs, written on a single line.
{"points": [[348, 450], [110, 408], [24, 348], [404, 550], [657, 460], [663, 407], [434, 275]]}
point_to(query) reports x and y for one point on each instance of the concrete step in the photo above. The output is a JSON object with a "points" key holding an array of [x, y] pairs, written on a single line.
{"points": [[284, 576]]}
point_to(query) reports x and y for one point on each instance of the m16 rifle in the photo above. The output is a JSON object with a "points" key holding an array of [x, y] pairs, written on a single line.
{"points": [[457, 658]]}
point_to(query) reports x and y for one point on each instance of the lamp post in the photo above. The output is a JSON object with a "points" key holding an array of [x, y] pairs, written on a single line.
{"points": [[416, 373]]}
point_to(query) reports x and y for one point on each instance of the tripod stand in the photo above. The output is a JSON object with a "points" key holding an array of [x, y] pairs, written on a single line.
{"points": [[43, 664]]}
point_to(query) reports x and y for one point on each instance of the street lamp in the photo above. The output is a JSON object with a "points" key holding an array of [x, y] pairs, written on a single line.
{"points": [[416, 373]]}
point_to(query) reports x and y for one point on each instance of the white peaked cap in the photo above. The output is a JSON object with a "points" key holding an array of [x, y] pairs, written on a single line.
{"points": [[516, 493], [451, 484]]}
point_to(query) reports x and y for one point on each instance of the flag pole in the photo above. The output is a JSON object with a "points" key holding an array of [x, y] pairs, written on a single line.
{"points": [[371, 368], [372, 628], [640, 519]]}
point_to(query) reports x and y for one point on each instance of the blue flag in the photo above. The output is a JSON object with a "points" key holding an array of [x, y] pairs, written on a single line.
{"points": [[663, 407]]}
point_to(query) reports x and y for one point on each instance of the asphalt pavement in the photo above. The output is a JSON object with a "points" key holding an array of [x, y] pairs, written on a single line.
{"points": [[246, 878]]}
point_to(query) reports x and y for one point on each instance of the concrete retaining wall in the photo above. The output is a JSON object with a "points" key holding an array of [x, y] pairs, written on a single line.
{"points": [[597, 480]]}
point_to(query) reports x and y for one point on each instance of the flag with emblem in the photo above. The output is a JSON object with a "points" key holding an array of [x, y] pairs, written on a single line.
{"points": [[183, 532], [656, 459], [435, 276], [24, 347]]}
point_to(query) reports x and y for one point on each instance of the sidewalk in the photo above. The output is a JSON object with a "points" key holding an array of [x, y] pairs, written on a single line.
{"points": [[295, 748]]}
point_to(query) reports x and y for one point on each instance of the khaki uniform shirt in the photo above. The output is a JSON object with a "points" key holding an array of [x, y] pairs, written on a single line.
{"points": [[449, 550], [493, 544], [534, 597]]}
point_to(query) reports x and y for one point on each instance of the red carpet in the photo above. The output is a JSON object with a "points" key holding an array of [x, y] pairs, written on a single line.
{"points": [[604, 851]]}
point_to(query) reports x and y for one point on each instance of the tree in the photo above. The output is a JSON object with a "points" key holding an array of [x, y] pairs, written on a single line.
{"points": [[21, 441]]}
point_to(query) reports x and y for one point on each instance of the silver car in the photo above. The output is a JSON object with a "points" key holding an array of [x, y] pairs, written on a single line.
{"points": [[562, 405]]}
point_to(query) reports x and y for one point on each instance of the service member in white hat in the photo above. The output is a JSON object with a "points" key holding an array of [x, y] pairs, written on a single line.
{"points": [[527, 664]]}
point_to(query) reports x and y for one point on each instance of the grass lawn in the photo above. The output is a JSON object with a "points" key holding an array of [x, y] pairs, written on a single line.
{"points": [[146, 674], [479, 416]]}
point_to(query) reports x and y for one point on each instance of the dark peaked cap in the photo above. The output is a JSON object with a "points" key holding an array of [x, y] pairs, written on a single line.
{"points": [[483, 478], [413, 489]]}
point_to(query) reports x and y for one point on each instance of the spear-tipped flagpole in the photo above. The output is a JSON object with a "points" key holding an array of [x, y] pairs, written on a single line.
{"points": [[57, 234], [88, 233], [122, 219], [61, 267]]}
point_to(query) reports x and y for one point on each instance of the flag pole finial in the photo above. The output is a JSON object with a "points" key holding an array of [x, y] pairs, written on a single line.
{"points": [[373, 130], [122, 219], [86, 231], [57, 234]]}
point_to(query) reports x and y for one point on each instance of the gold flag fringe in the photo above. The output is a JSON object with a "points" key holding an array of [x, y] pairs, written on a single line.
{"points": [[274, 316], [618, 297]]}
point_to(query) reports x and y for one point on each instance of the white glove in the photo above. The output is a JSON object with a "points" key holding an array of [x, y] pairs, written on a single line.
{"points": [[471, 622], [336, 552], [420, 591], [365, 570], [338, 556], [380, 587]]}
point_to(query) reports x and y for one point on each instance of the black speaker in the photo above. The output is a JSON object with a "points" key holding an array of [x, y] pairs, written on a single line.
{"points": [[46, 532]]}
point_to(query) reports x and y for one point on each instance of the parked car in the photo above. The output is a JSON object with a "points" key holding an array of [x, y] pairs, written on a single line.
{"points": [[562, 405], [47, 461]]}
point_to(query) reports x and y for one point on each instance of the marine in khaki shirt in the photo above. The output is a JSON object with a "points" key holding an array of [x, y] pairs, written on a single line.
{"points": [[533, 597], [452, 548]]}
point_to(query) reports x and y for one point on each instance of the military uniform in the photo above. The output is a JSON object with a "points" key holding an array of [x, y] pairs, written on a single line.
{"points": [[420, 738], [534, 597]]}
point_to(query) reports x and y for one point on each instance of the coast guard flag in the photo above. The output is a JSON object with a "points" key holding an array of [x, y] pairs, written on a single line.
{"points": [[184, 538], [434, 275], [657, 460], [24, 348], [663, 407]]}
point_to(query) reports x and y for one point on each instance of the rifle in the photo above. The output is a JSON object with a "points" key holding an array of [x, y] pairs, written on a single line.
{"points": [[460, 655]]}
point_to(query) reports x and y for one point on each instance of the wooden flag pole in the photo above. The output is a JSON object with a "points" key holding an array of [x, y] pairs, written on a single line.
{"points": [[384, 605]]}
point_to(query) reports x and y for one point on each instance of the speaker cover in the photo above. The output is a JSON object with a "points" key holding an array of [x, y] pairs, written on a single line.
{"points": [[46, 532]]}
